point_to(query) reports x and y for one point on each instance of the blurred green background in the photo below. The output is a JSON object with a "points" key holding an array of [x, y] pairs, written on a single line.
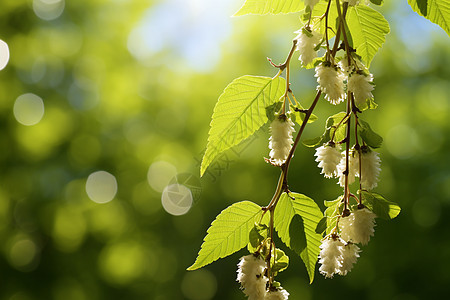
{"points": [[105, 108]]}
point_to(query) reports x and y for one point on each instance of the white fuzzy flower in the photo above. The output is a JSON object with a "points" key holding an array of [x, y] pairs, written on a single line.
{"points": [[349, 255], [343, 64], [328, 157], [279, 294], [251, 276], [330, 253], [361, 86], [353, 167], [311, 3], [306, 42], [358, 226], [331, 82], [280, 141], [370, 169]]}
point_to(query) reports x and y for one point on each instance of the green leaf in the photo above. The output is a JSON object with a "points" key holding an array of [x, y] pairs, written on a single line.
{"points": [[321, 226], [437, 11], [240, 112], [314, 142], [298, 116], [228, 233], [334, 208], [377, 2], [371, 138], [368, 104], [337, 123], [381, 207], [296, 222], [317, 13], [368, 28], [257, 234], [264, 7], [281, 261]]}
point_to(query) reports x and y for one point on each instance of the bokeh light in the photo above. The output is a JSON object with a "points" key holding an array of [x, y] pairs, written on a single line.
{"points": [[101, 187], [199, 285], [4, 54], [48, 9], [28, 109], [22, 254], [159, 175], [177, 199]]}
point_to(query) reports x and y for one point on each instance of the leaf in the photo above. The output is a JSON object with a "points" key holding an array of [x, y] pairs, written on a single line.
{"points": [[257, 234], [299, 116], [371, 138], [321, 226], [228, 233], [381, 207], [264, 7], [334, 208], [437, 11], [336, 123], [314, 142], [240, 112], [377, 2], [281, 261], [368, 28], [303, 213], [317, 13]]}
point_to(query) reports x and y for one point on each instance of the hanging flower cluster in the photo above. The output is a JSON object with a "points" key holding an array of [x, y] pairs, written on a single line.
{"points": [[307, 42], [280, 141]]}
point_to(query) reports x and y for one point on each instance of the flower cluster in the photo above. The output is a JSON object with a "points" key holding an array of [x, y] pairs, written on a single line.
{"points": [[251, 277], [332, 78], [333, 164], [338, 254], [254, 282], [280, 142], [358, 226], [331, 82], [307, 42], [337, 257], [328, 157]]}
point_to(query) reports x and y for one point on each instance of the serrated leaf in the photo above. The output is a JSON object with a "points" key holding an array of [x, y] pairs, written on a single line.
{"points": [[369, 136], [257, 234], [240, 112], [334, 208], [368, 28], [317, 13], [380, 206], [437, 11], [228, 233], [306, 241], [264, 7]]}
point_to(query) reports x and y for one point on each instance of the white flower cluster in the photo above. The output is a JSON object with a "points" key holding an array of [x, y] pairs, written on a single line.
{"points": [[337, 257], [307, 41], [361, 86], [280, 142], [328, 157], [251, 277], [358, 226], [333, 164], [331, 82], [278, 294], [311, 3]]}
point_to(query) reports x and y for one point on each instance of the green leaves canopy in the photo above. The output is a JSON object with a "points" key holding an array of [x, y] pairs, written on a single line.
{"points": [[240, 112], [228, 233], [264, 7], [437, 11], [296, 221]]}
